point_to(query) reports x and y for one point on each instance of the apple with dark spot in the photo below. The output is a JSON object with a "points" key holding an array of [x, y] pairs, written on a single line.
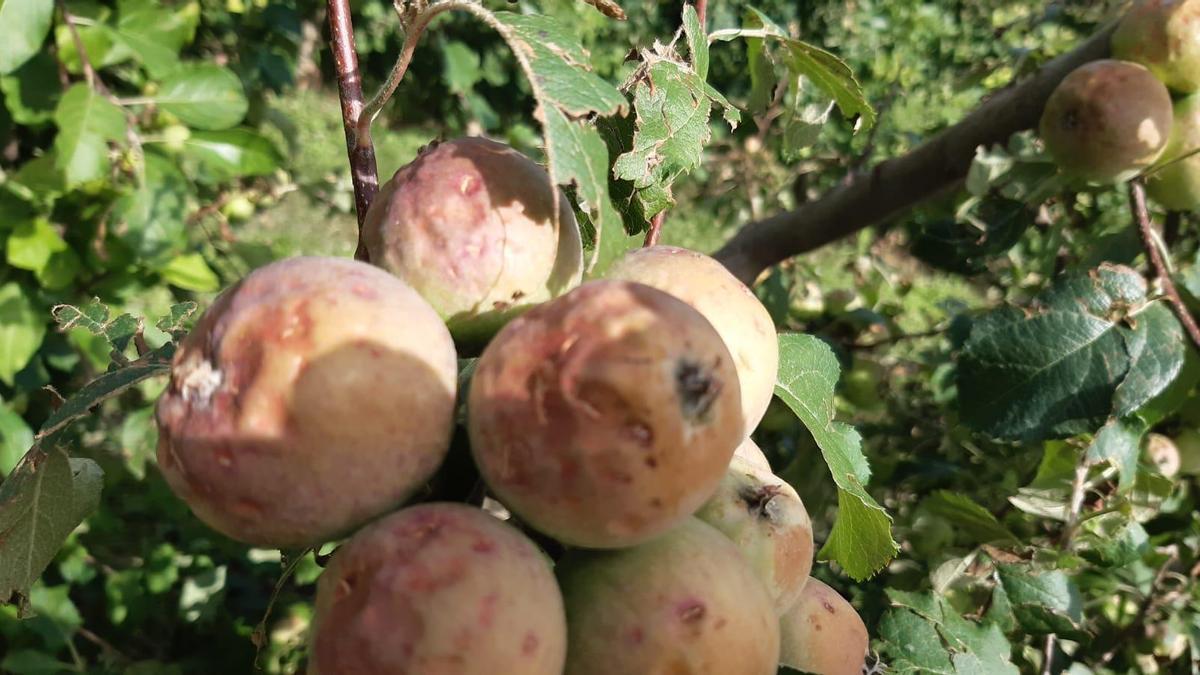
{"points": [[822, 633]]}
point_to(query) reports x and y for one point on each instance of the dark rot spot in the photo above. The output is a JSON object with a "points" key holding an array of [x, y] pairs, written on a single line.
{"points": [[635, 635], [483, 546], [691, 611], [530, 644], [656, 503], [828, 607], [651, 463], [758, 497], [697, 389]]}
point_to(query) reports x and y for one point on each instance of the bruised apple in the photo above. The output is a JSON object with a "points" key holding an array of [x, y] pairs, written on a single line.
{"points": [[822, 633], [685, 603], [479, 230], [1107, 121], [438, 589], [604, 417], [767, 521], [315, 394], [1164, 36], [727, 303], [1177, 184]]}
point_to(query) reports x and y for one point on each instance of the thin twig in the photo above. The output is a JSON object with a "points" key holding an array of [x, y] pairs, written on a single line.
{"points": [[1144, 609], [702, 14], [655, 230], [89, 73], [1141, 216], [363, 172]]}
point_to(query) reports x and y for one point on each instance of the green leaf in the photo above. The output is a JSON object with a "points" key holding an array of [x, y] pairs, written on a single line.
{"points": [[972, 647], [1045, 602], [178, 317], [763, 79], [87, 123], [32, 243], [1114, 539], [42, 502], [15, 438], [24, 25], [982, 231], [31, 92], [861, 540], [829, 73], [460, 66], [21, 331], [1158, 349], [32, 662], [191, 272], [93, 317], [1119, 443], [222, 156], [972, 519], [914, 643], [152, 218], [153, 33], [101, 389], [697, 41], [204, 96], [1051, 372]]}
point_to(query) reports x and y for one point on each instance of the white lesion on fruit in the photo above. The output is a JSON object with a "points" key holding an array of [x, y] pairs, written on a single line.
{"points": [[200, 381]]}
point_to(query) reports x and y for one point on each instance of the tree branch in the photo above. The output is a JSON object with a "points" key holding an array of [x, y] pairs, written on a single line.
{"points": [[655, 230], [1141, 216], [363, 171], [895, 186], [702, 14]]}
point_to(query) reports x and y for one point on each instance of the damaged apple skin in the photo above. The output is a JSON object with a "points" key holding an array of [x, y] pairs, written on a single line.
{"points": [[734, 311], [315, 394], [1164, 36], [479, 230], [1107, 121], [606, 416], [766, 519], [823, 634], [438, 589], [684, 603]]}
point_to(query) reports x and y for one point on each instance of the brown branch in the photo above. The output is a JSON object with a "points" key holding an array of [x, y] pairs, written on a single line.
{"points": [[89, 73], [363, 172], [702, 14], [655, 230], [899, 184], [1141, 216]]}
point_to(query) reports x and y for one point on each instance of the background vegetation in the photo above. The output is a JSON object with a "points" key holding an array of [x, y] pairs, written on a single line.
{"points": [[199, 140]]}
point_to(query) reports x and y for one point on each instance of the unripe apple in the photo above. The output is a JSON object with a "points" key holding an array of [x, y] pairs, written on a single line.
{"points": [[1164, 36], [822, 633], [479, 230], [685, 603], [767, 521], [1163, 452], [750, 453], [315, 394], [731, 307], [438, 589], [1177, 185], [606, 416], [1107, 121]]}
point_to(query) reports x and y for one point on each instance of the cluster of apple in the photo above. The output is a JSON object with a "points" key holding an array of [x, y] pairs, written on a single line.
{"points": [[318, 395], [1113, 119]]}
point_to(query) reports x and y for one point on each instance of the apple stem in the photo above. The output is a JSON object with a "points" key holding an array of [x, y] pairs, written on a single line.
{"points": [[655, 229], [363, 172], [1141, 216]]}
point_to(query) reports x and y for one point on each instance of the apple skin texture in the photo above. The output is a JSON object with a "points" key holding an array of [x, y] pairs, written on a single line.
{"points": [[1164, 36], [312, 396], [471, 225], [605, 417], [766, 519], [742, 321], [1177, 184], [685, 603], [750, 453], [1107, 121], [438, 589], [822, 633]]}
